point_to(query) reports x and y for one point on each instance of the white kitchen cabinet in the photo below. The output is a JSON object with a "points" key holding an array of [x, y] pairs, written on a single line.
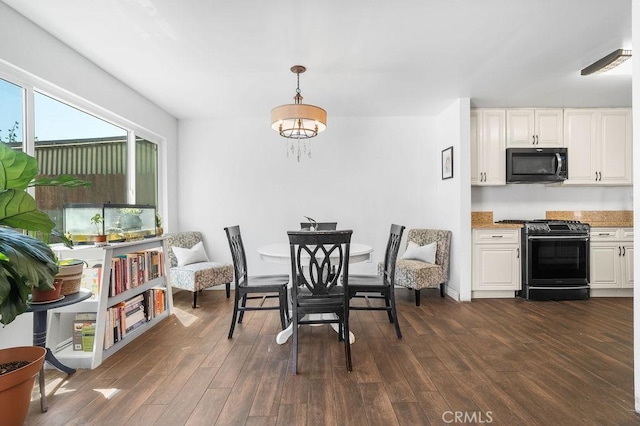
{"points": [[534, 128], [488, 147], [496, 262], [599, 143], [611, 258]]}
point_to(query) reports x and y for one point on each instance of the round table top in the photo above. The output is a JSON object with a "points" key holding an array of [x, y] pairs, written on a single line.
{"points": [[280, 253], [69, 299]]}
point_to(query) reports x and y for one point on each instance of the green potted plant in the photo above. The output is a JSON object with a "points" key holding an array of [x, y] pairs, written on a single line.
{"points": [[100, 238], [159, 230], [25, 263]]}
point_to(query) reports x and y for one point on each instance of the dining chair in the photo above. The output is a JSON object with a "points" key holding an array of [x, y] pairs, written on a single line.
{"points": [[316, 290], [254, 287], [320, 226], [380, 286]]}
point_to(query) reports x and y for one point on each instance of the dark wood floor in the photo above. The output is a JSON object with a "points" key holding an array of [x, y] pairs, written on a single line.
{"points": [[505, 362]]}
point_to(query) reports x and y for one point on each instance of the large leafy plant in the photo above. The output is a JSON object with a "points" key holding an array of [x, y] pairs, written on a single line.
{"points": [[25, 262]]}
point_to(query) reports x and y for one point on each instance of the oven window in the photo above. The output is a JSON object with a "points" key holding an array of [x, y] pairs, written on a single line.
{"points": [[558, 259], [533, 164]]}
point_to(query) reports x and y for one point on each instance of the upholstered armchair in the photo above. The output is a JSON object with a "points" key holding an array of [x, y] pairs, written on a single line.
{"points": [[190, 268], [419, 274]]}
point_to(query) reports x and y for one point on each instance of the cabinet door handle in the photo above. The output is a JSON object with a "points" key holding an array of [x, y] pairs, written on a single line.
{"points": [[496, 236], [537, 140], [518, 253], [533, 139], [619, 251], [600, 176], [624, 251], [596, 176]]}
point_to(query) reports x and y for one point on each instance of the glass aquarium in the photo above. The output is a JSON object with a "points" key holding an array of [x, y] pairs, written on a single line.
{"points": [[119, 222]]}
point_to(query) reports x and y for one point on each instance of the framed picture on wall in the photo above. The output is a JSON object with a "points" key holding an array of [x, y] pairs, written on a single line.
{"points": [[447, 163]]}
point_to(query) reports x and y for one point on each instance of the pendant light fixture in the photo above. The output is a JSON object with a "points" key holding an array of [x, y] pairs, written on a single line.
{"points": [[607, 63], [298, 121]]}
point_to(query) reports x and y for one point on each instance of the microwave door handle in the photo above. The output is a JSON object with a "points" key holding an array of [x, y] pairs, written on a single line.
{"points": [[559, 159]]}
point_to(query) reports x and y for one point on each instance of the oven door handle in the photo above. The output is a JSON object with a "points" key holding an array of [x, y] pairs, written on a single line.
{"points": [[557, 237]]}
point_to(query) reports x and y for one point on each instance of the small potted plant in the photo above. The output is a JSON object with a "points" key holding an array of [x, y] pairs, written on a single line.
{"points": [[159, 230], [100, 238]]}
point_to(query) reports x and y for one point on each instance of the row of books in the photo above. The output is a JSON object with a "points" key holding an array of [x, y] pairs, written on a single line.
{"points": [[134, 269], [126, 316]]}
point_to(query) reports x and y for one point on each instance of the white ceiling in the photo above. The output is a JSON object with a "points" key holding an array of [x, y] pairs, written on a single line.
{"points": [[213, 58]]}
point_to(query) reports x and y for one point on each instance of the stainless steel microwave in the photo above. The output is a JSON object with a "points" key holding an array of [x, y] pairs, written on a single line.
{"points": [[536, 165]]}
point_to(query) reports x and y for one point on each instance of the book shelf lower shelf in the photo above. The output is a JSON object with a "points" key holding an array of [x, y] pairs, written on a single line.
{"points": [[81, 359]]}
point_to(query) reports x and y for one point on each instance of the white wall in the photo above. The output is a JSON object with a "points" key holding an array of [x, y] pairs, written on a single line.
{"points": [[453, 195], [38, 60], [365, 173]]}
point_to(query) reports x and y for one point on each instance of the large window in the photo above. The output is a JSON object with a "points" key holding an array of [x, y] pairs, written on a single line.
{"points": [[122, 167]]}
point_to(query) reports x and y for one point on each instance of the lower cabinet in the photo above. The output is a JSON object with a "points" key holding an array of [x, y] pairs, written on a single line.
{"points": [[611, 258], [496, 263]]}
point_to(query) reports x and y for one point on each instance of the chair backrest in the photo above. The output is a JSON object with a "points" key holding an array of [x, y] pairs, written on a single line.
{"points": [[428, 236], [186, 240], [391, 253], [320, 226], [237, 254], [314, 256]]}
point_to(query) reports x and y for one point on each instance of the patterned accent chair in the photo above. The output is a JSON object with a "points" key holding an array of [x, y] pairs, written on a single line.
{"points": [[196, 276], [418, 275]]}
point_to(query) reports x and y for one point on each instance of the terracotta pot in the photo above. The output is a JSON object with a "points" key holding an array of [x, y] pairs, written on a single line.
{"points": [[47, 295], [100, 239], [16, 387]]}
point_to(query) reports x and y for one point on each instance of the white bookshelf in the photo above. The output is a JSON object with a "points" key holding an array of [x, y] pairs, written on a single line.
{"points": [[60, 331]]}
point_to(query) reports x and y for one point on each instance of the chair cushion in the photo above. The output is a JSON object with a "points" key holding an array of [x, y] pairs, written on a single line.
{"points": [[416, 274], [426, 253], [187, 256], [198, 276]]}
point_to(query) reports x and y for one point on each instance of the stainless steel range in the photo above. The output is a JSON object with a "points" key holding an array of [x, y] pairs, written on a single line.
{"points": [[555, 259]]}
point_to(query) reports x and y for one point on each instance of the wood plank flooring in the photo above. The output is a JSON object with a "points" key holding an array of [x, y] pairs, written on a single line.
{"points": [[498, 361]]}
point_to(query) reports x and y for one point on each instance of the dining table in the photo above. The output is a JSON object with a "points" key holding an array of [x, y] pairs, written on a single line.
{"points": [[281, 253]]}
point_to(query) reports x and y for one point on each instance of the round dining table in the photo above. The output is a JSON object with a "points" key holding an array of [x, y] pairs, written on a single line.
{"points": [[281, 253]]}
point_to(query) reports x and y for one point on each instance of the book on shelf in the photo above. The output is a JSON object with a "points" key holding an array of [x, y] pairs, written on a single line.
{"points": [[88, 337], [91, 278], [134, 269], [82, 323]]}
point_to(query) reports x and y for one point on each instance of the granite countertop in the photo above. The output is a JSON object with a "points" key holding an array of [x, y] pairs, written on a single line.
{"points": [[595, 218], [484, 220]]}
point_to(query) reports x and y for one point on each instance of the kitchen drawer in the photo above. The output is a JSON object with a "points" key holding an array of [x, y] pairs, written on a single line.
{"points": [[496, 236], [611, 234]]}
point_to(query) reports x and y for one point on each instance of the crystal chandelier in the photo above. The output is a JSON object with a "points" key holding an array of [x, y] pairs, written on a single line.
{"points": [[298, 122]]}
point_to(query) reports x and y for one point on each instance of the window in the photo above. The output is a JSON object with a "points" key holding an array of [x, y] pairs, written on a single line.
{"points": [[146, 172], [11, 113], [121, 164]]}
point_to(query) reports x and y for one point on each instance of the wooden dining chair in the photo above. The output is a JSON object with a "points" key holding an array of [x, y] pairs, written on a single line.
{"points": [[380, 286], [254, 287], [316, 290]]}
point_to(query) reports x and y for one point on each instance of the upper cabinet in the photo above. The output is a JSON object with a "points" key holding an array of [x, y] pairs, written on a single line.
{"points": [[599, 143], [488, 147], [534, 128]]}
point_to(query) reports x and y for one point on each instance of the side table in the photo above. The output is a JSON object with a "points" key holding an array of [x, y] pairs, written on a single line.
{"points": [[40, 336]]}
